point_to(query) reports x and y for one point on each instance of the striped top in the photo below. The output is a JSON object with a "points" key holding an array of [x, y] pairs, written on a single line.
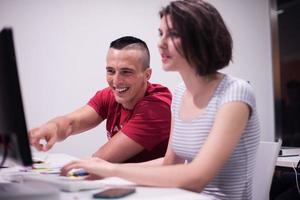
{"points": [[234, 181]]}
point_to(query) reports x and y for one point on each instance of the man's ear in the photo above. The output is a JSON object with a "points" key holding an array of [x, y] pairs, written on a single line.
{"points": [[148, 73]]}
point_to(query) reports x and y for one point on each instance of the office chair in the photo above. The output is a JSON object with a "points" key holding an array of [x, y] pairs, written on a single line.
{"points": [[266, 158]]}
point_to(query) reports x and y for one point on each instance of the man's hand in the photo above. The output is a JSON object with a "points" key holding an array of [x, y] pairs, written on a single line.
{"points": [[47, 132], [62, 127]]}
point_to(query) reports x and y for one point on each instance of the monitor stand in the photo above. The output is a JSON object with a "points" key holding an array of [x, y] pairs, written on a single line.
{"points": [[28, 190]]}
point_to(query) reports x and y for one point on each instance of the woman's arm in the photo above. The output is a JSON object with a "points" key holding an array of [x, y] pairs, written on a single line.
{"points": [[229, 125], [170, 157]]}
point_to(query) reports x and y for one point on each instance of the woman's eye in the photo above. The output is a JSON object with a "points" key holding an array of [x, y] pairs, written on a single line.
{"points": [[173, 34], [159, 33]]}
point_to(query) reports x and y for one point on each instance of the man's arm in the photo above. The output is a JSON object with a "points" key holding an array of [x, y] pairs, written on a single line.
{"points": [[119, 148], [82, 119], [61, 127]]}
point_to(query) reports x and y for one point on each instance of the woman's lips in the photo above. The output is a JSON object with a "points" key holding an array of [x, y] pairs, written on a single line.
{"points": [[165, 58]]}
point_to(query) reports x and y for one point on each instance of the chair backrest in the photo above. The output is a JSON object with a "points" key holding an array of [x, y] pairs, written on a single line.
{"points": [[264, 169]]}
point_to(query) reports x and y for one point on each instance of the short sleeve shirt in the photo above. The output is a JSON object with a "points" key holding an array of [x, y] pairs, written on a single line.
{"points": [[234, 180], [148, 123]]}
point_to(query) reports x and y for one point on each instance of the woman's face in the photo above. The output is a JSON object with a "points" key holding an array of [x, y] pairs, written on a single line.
{"points": [[168, 41]]}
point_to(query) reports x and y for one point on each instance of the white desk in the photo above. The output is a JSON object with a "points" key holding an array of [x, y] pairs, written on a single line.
{"points": [[143, 193], [287, 161]]}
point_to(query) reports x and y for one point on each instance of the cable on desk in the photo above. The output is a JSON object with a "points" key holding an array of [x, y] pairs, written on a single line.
{"points": [[296, 176]]}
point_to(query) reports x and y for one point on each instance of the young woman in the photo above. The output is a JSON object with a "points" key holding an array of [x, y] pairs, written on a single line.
{"points": [[215, 129]]}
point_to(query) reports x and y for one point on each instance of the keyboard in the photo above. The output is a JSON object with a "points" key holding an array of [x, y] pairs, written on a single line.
{"points": [[48, 172], [69, 184]]}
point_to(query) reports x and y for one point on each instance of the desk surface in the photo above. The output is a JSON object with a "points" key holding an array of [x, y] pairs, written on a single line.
{"points": [[140, 194], [143, 193], [291, 161], [37, 190]]}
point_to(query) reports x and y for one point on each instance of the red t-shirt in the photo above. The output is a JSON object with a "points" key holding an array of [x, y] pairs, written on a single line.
{"points": [[148, 123]]}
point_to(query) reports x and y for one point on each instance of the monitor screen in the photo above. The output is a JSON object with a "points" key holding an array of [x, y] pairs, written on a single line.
{"points": [[13, 131], [287, 112]]}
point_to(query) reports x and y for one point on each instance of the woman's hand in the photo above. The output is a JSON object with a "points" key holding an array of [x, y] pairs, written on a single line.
{"points": [[96, 167]]}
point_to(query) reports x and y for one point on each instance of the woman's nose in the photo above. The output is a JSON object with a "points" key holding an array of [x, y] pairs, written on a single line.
{"points": [[161, 42]]}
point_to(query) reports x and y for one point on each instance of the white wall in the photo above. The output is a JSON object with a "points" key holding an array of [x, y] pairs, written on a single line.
{"points": [[61, 47]]}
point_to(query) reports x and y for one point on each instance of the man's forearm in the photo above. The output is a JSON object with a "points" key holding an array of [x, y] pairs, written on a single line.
{"points": [[63, 126]]}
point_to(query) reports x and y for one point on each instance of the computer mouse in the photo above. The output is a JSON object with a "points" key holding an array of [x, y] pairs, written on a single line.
{"points": [[77, 172]]}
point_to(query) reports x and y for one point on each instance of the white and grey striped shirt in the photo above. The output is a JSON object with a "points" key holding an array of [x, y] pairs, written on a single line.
{"points": [[234, 181]]}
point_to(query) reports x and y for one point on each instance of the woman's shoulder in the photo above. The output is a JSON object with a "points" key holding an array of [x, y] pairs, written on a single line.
{"points": [[235, 88], [232, 83]]}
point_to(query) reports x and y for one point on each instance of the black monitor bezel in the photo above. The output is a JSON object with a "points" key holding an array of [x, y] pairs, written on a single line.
{"points": [[12, 115]]}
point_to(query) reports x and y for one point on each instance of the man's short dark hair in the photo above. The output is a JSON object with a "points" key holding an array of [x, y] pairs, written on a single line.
{"points": [[130, 42]]}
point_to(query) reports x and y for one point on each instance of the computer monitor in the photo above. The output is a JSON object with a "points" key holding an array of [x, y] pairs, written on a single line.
{"points": [[14, 142]]}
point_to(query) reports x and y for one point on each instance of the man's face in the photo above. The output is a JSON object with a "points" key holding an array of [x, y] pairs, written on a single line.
{"points": [[126, 75]]}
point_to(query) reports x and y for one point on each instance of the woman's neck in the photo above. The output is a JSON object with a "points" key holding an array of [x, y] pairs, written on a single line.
{"points": [[196, 84]]}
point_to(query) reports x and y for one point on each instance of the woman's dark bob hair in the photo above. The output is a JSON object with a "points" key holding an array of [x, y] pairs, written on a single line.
{"points": [[205, 40]]}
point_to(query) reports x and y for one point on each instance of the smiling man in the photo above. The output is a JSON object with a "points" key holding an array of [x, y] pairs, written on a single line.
{"points": [[137, 112]]}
